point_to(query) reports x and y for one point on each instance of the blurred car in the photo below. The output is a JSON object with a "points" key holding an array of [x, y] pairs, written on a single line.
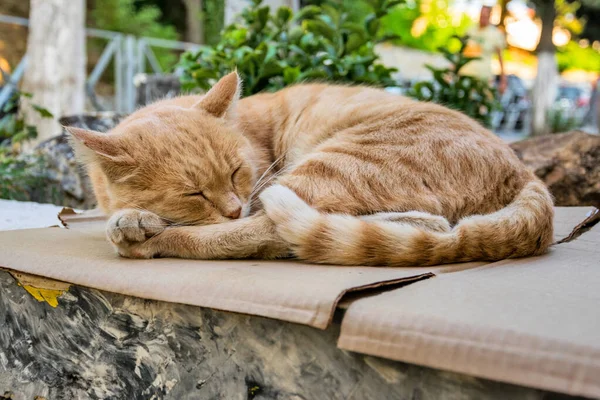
{"points": [[515, 103], [572, 103], [573, 95]]}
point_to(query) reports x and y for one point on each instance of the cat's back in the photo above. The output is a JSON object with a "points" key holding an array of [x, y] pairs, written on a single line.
{"points": [[332, 108], [337, 101]]}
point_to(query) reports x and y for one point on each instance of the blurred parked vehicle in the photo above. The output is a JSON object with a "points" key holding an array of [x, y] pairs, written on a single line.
{"points": [[574, 97], [515, 105]]}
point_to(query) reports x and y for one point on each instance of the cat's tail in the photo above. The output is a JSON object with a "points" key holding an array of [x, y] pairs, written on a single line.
{"points": [[522, 228]]}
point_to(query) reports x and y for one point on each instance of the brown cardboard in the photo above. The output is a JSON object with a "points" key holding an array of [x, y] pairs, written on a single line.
{"points": [[565, 219], [285, 290], [68, 217], [532, 322]]}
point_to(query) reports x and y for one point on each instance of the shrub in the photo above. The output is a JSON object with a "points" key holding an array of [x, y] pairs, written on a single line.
{"points": [[425, 25], [573, 56], [563, 119], [473, 96], [17, 174], [271, 51]]}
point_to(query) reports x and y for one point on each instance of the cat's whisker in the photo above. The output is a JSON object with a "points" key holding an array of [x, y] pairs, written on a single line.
{"points": [[269, 180], [266, 181], [253, 200], [273, 164]]}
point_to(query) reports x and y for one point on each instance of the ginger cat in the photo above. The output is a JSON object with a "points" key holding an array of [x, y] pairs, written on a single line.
{"points": [[345, 175]]}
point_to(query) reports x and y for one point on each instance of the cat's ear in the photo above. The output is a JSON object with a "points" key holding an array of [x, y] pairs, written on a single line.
{"points": [[221, 98], [89, 144], [107, 151]]}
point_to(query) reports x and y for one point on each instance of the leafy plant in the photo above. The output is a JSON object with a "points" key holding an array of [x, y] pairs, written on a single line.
{"points": [[563, 119], [573, 56], [17, 173], [471, 95], [425, 25], [271, 51]]}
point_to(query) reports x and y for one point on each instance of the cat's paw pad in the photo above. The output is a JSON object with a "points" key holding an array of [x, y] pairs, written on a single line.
{"points": [[127, 228]]}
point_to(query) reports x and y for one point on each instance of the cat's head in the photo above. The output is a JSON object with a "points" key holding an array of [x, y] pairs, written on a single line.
{"points": [[185, 163]]}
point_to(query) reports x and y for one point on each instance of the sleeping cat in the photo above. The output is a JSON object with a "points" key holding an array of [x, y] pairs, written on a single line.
{"points": [[328, 174]]}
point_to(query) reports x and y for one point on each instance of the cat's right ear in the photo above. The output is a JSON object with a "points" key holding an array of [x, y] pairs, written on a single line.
{"points": [[222, 97], [95, 147]]}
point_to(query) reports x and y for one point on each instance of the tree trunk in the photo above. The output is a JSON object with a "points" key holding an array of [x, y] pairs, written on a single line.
{"points": [[194, 24], [55, 73], [545, 86], [503, 13]]}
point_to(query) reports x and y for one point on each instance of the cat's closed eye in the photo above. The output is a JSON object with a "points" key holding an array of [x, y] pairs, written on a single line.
{"points": [[201, 194], [235, 173]]}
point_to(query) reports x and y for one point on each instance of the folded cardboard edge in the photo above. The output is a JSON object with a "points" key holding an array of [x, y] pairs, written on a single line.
{"points": [[346, 297], [68, 215], [592, 219]]}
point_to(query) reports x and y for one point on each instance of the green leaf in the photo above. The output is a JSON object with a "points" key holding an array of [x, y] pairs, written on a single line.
{"points": [[8, 125], [271, 53], [271, 69], [359, 70], [313, 74], [42, 111], [262, 16], [284, 14], [354, 42], [332, 12], [388, 38], [372, 24], [393, 3], [320, 28], [307, 12], [290, 75]]}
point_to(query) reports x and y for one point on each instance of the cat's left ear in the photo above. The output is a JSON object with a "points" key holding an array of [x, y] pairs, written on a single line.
{"points": [[221, 98], [92, 146]]}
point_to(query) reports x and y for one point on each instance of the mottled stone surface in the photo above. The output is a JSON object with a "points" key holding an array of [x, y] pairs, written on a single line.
{"points": [[98, 345], [151, 88], [568, 163]]}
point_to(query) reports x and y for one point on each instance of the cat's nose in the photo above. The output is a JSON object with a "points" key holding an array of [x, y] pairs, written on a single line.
{"points": [[235, 213]]}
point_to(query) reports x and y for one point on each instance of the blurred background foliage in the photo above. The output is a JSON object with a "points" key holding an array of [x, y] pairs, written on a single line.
{"points": [[18, 173], [473, 96], [134, 18]]}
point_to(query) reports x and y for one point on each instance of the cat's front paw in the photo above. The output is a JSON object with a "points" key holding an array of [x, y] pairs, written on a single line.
{"points": [[129, 231]]}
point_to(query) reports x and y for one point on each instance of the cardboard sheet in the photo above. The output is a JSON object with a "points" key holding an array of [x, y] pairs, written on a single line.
{"points": [[532, 322], [569, 220], [289, 291], [285, 290]]}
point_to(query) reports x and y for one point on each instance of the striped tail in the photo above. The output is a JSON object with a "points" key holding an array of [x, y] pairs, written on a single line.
{"points": [[523, 228]]}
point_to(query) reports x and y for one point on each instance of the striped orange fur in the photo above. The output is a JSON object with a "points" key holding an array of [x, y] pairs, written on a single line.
{"points": [[346, 175]]}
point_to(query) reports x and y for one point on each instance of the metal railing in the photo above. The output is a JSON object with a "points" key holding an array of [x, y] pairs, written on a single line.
{"points": [[130, 56]]}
